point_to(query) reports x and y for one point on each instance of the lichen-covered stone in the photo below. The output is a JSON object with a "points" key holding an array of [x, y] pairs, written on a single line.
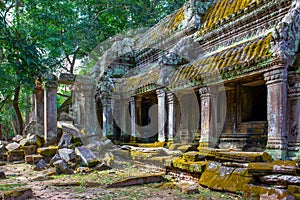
{"points": [[15, 155], [237, 180], [34, 139], [17, 138], [193, 156], [294, 190], [47, 151], [281, 180], [67, 154], [62, 167], [86, 156], [261, 192], [41, 165], [29, 150], [13, 146], [55, 158], [33, 159], [65, 140], [278, 167], [243, 156]]}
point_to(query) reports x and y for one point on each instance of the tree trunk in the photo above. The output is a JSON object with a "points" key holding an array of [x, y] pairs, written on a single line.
{"points": [[17, 109]]}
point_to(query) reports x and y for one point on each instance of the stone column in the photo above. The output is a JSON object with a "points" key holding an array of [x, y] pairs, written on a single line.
{"points": [[138, 115], [107, 117], [294, 114], [132, 117], [208, 97], [276, 81], [50, 110], [38, 107], [161, 114], [171, 116]]}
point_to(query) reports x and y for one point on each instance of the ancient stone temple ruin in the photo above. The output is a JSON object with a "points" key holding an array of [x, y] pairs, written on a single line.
{"points": [[215, 74]]}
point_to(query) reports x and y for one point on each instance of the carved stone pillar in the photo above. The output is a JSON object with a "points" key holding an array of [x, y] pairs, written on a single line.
{"points": [[132, 113], [107, 117], [208, 97], [50, 110], [294, 114], [138, 116], [171, 115], [38, 106], [161, 114], [276, 81]]}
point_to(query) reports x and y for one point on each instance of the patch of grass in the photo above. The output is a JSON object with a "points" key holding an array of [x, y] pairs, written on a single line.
{"points": [[7, 187]]}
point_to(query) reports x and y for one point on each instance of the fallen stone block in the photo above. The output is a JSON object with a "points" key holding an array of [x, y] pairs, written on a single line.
{"points": [[24, 142], [62, 167], [196, 167], [41, 165], [12, 146], [2, 175], [234, 156], [15, 155], [86, 156], [65, 140], [33, 139], [261, 192], [34, 128], [83, 170], [67, 155], [294, 190], [193, 156], [47, 151], [157, 178], [280, 180], [237, 180], [33, 159], [55, 158], [29, 150], [17, 138], [276, 167], [18, 194]]}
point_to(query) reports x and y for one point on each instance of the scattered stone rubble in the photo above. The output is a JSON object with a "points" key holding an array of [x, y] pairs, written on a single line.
{"points": [[255, 175]]}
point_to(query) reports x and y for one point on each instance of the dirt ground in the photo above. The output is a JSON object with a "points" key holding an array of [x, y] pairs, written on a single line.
{"points": [[93, 185]]}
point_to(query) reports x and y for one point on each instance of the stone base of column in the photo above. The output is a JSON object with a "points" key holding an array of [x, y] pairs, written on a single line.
{"points": [[132, 139], [277, 154]]}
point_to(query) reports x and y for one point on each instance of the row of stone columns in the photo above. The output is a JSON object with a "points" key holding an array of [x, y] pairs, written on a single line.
{"points": [[45, 110]]}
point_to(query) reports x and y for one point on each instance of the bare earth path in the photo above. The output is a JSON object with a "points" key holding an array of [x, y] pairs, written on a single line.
{"points": [[92, 185]]}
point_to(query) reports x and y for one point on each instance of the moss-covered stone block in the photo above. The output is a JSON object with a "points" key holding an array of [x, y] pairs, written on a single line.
{"points": [[237, 180], [193, 156], [243, 156], [15, 155], [29, 150], [48, 151], [294, 190], [261, 192], [33, 159], [278, 167]]}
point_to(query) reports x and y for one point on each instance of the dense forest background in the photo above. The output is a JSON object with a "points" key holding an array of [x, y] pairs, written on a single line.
{"points": [[42, 36]]}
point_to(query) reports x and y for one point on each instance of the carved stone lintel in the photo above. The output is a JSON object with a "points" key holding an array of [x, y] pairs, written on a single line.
{"points": [[276, 76]]}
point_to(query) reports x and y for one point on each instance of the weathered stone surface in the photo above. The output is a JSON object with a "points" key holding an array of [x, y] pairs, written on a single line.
{"points": [[12, 146], [55, 158], [18, 194], [237, 180], [15, 155], [62, 167], [17, 138], [2, 175], [29, 150], [41, 165], [193, 156], [33, 139], [294, 190], [280, 167], [33, 159], [215, 176], [65, 140], [260, 192], [281, 180], [24, 142], [34, 128], [67, 154], [48, 151], [196, 167], [137, 181], [243, 156], [83, 170], [102, 167], [86, 156]]}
